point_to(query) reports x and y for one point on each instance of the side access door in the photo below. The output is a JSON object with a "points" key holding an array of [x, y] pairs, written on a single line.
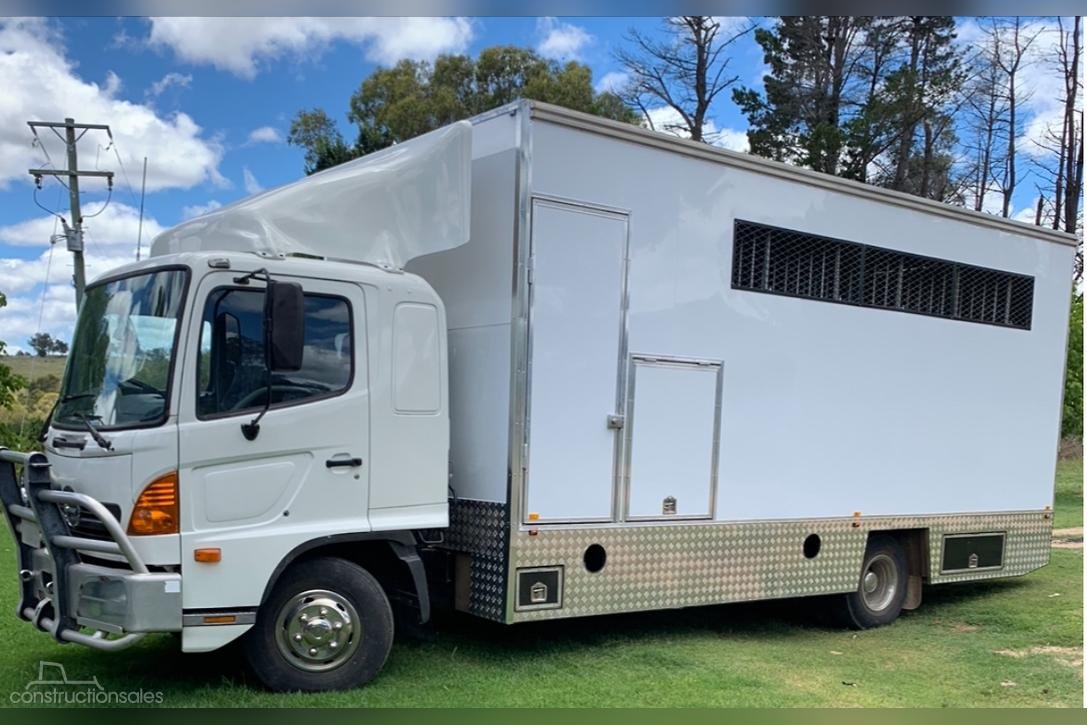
{"points": [[305, 474], [577, 340]]}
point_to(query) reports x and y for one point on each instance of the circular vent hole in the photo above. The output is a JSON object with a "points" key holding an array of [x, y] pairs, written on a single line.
{"points": [[595, 558], [812, 544]]}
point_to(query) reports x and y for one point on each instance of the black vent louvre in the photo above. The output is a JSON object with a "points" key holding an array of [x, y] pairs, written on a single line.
{"points": [[786, 262]]}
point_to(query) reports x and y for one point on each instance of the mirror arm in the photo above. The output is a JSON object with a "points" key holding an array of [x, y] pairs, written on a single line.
{"points": [[262, 272], [252, 429]]}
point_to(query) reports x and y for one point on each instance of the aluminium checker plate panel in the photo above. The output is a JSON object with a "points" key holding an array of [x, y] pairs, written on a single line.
{"points": [[671, 565]]}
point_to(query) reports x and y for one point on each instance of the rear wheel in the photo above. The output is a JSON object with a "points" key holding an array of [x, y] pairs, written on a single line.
{"points": [[326, 626], [882, 587]]}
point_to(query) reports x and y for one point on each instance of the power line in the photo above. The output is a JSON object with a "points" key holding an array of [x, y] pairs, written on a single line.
{"points": [[48, 159], [74, 235], [124, 171]]}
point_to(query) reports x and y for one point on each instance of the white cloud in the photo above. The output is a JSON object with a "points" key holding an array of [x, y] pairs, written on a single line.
{"points": [[179, 80], [252, 186], [561, 41], [1040, 86], [40, 83], [118, 224], [265, 134], [731, 138], [666, 119], [242, 45], [612, 82], [733, 25], [110, 242], [29, 296], [195, 210]]}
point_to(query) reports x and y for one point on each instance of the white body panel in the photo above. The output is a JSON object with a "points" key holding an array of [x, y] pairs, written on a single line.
{"points": [[829, 409], [413, 196]]}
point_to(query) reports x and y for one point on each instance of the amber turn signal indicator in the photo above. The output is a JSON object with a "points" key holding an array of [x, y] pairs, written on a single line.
{"points": [[220, 619], [156, 511], [208, 556]]}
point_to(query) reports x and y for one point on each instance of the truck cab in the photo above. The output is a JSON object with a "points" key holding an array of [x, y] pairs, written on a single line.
{"points": [[226, 471]]}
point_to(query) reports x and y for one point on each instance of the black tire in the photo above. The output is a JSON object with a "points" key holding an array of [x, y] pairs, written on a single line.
{"points": [[328, 591], [885, 559]]}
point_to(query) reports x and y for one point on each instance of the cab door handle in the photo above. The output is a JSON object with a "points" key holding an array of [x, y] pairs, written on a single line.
{"points": [[343, 462]]}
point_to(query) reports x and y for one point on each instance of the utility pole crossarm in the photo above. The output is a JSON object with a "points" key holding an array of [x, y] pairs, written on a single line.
{"points": [[58, 124], [74, 233], [68, 172]]}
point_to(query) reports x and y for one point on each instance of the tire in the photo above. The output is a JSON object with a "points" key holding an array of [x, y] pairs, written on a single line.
{"points": [[882, 587], [332, 595]]}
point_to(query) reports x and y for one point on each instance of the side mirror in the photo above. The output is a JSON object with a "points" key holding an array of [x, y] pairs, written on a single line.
{"points": [[284, 325]]}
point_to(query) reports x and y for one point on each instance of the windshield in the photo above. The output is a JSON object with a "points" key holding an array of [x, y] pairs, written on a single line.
{"points": [[122, 352]]}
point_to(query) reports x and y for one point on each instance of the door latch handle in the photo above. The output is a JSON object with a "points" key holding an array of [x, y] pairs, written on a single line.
{"points": [[343, 462], [616, 422]]}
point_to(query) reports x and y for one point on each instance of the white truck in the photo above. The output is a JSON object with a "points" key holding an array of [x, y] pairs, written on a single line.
{"points": [[541, 365]]}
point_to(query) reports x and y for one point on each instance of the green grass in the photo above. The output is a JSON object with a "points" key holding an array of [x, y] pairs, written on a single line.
{"points": [[762, 655], [1068, 496], [30, 367]]}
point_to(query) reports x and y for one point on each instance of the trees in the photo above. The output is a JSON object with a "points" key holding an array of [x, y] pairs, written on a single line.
{"points": [[1072, 419], [1060, 164], [685, 72], [1008, 43], [45, 344], [413, 97], [867, 98], [814, 68], [314, 131], [922, 91], [9, 381]]}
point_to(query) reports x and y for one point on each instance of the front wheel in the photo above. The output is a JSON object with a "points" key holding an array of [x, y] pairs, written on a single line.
{"points": [[882, 588], [326, 626]]}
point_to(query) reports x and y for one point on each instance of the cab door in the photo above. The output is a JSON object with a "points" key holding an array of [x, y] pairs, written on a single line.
{"points": [[305, 474]]}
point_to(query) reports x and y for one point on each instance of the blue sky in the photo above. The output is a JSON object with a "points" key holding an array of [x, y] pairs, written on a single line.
{"points": [[208, 101]]}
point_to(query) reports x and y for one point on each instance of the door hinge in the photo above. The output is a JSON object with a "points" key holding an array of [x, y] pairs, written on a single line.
{"points": [[530, 269]]}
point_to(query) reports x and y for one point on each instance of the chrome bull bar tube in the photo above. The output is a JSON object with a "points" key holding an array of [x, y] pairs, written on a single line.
{"points": [[31, 498]]}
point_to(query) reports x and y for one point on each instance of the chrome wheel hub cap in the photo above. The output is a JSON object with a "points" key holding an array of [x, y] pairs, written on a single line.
{"points": [[318, 630], [879, 584]]}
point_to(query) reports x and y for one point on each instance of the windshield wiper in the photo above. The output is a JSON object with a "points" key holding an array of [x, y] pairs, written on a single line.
{"points": [[77, 396], [103, 442], [142, 387]]}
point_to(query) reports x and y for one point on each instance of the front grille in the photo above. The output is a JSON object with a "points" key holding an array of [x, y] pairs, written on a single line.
{"points": [[89, 527]]}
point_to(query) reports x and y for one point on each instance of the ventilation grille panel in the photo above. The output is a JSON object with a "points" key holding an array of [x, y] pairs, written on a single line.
{"points": [[795, 264]]}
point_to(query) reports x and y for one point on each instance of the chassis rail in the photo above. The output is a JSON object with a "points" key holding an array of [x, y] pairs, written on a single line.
{"points": [[31, 498]]}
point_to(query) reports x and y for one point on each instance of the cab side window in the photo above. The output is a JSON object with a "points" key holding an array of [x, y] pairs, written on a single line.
{"points": [[231, 372]]}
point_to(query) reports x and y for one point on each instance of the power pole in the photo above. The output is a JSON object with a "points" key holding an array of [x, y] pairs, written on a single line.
{"points": [[74, 232]]}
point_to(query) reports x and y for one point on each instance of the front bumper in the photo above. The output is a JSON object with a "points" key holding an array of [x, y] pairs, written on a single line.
{"points": [[63, 593]]}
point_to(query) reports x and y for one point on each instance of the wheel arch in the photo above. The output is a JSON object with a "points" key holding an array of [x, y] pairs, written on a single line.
{"points": [[392, 558], [916, 544]]}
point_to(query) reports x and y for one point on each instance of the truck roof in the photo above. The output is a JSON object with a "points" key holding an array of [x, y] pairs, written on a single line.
{"points": [[339, 270], [749, 162]]}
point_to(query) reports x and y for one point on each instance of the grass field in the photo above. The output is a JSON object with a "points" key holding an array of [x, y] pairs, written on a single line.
{"points": [[1015, 642], [30, 367]]}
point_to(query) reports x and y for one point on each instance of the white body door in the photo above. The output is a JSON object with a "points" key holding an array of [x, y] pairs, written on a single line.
{"points": [[673, 419], [257, 499], [576, 323]]}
